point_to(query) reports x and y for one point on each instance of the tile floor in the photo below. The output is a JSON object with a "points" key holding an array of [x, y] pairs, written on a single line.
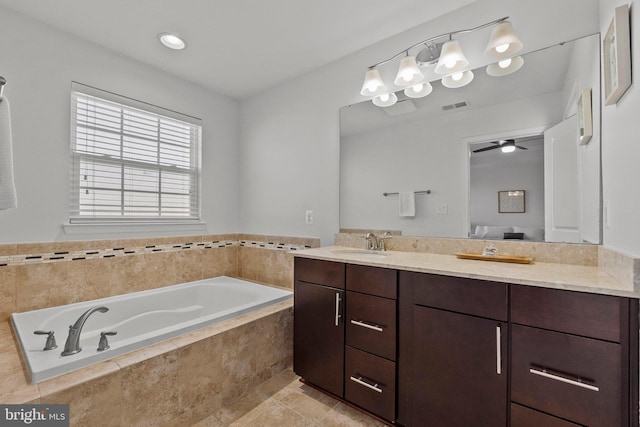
{"points": [[284, 401]]}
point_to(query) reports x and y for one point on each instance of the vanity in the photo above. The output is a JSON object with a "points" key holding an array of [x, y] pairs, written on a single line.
{"points": [[421, 339]]}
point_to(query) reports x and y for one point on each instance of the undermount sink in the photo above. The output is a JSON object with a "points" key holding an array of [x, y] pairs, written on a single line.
{"points": [[361, 253]]}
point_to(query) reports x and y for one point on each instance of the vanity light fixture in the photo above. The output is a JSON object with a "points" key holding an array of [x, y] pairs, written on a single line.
{"points": [[419, 90], [459, 79], [172, 41], [449, 60], [385, 100], [505, 67]]}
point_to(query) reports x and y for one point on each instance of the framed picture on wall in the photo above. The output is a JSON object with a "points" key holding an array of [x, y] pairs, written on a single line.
{"points": [[511, 201], [585, 122], [616, 51]]}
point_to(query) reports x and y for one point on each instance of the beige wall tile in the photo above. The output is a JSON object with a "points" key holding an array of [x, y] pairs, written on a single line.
{"points": [[8, 249], [95, 402], [8, 292], [150, 391], [200, 378], [266, 265], [220, 262], [44, 285], [188, 265]]}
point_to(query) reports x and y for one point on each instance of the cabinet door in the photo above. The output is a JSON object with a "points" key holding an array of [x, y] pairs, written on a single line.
{"points": [[318, 335], [460, 366]]}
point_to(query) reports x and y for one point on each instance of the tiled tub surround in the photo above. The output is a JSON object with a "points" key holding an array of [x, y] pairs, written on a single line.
{"points": [[176, 382], [41, 275]]}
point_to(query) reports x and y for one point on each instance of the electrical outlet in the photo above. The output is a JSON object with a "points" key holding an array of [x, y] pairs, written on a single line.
{"points": [[308, 217], [443, 208]]}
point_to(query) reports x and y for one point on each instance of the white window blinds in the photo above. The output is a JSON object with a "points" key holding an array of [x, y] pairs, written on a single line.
{"points": [[131, 163]]}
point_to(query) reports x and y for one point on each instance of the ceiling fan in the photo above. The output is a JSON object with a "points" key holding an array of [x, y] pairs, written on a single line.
{"points": [[507, 146]]}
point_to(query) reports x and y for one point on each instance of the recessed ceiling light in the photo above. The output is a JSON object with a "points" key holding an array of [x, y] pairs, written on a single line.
{"points": [[171, 41]]}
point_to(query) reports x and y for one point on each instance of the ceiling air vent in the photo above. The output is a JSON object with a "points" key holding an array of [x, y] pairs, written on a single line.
{"points": [[454, 106]]}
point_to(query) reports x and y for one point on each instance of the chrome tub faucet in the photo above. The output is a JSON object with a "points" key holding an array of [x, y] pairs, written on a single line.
{"points": [[72, 345]]}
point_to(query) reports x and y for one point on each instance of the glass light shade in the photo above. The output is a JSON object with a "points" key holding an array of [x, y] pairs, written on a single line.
{"points": [[505, 67], [503, 43], [373, 84], [451, 58], [508, 148], [419, 90], [408, 73], [457, 80], [172, 41], [385, 100]]}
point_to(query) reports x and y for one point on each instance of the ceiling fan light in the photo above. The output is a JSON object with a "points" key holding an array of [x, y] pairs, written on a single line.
{"points": [[451, 58], [408, 73], [503, 68], [503, 42], [419, 91], [373, 84], [508, 148], [457, 80], [385, 100]]}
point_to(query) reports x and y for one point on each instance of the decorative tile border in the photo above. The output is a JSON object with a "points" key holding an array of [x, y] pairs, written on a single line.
{"points": [[88, 254]]}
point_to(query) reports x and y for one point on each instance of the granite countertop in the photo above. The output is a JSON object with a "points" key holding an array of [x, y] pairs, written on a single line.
{"points": [[580, 278]]}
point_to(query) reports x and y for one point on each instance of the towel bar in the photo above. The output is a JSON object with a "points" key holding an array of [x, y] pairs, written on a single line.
{"points": [[417, 192]]}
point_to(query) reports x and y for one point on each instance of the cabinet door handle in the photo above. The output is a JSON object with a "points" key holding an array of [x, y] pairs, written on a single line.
{"points": [[367, 325], [337, 308], [361, 381], [498, 352], [577, 382]]}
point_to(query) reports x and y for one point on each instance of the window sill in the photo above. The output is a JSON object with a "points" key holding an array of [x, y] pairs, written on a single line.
{"points": [[130, 228]]}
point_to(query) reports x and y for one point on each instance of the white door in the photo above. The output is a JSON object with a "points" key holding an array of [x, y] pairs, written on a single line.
{"points": [[561, 188]]}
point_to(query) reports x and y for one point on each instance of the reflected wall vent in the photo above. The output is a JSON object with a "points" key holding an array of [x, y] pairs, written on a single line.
{"points": [[454, 106]]}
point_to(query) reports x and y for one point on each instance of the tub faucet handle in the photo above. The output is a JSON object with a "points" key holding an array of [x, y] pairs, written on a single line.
{"points": [[104, 343], [51, 340]]}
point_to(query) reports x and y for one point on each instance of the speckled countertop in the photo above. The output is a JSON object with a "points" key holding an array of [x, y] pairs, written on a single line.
{"points": [[580, 278]]}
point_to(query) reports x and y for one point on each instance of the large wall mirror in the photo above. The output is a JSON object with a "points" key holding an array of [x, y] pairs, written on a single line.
{"points": [[447, 153]]}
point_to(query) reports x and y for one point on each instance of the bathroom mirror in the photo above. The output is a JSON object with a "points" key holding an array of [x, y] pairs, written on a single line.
{"points": [[427, 144]]}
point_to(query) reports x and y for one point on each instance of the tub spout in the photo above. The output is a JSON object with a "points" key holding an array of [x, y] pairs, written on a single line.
{"points": [[72, 346]]}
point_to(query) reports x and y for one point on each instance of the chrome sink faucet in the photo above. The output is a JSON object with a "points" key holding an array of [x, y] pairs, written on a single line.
{"points": [[72, 346], [376, 243]]}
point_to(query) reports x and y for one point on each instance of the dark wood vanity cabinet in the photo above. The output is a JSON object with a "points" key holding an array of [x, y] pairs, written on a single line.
{"points": [[453, 355], [427, 350], [345, 332], [318, 328], [574, 356]]}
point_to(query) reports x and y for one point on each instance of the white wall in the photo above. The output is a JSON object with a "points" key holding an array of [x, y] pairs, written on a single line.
{"points": [[520, 170], [39, 64], [290, 134], [621, 150]]}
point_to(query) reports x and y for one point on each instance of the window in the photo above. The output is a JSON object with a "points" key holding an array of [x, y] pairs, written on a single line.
{"points": [[132, 161]]}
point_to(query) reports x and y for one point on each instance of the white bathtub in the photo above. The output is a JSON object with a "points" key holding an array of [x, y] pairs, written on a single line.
{"points": [[140, 319]]}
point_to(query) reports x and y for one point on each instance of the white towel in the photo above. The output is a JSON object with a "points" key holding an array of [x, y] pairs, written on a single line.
{"points": [[8, 197], [407, 203]]}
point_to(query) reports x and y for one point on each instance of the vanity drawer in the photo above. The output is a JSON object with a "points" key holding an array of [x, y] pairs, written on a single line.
{"points": [[371, 324], [573, 377], [590, 315], [469, 296], [378, 281], [370, 382], [327, 273], [521, 416]]}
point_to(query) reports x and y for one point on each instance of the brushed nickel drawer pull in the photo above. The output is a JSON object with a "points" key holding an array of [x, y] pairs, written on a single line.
{"points": [[338, 315], [498, 352], [577, 383], [367, 325], [361, 381]]}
